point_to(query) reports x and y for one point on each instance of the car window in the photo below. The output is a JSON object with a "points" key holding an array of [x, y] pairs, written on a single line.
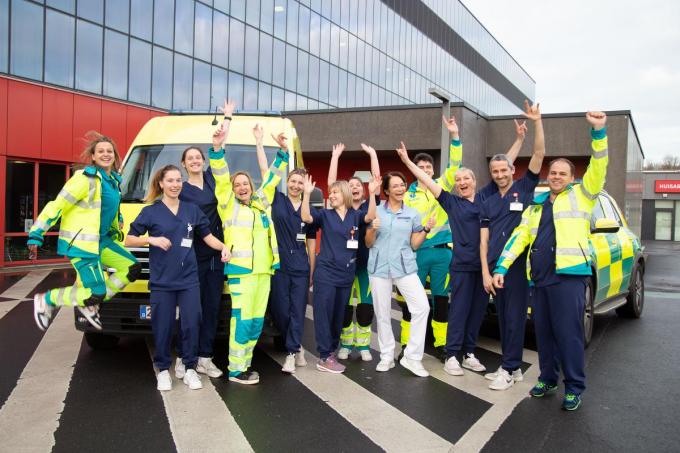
{"points": [[609, 210], [597, 213]]}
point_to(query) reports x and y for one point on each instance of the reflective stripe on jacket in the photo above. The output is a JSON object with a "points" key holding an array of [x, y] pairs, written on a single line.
{"points": [[571, 211], [78, 204], [426, 204], [237, 218]]}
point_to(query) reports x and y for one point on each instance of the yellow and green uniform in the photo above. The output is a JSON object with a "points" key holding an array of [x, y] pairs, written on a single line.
{"points": [[89, 235], [434, 255], [358, 333], [249, 234]]}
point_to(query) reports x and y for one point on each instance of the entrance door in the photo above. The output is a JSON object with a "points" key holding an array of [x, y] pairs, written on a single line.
{"points": [[663, 225]]}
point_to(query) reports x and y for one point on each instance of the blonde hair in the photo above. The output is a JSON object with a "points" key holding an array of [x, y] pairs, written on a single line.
{"points": [[343, 187], [155, 184], [247, 175], [466, 169], [92, 139]]}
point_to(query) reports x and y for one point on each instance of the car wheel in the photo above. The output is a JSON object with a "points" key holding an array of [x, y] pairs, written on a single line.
{"points": [[101, 340], [635, 301], [588, 319]]}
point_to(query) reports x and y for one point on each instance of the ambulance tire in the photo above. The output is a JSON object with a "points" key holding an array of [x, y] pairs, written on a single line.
{"points": [[635, 301], [101, 341], [588, 314]]}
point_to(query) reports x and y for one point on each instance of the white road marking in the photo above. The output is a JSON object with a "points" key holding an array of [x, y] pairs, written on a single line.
{"points": [[36, 403], [21, 289], [199, 419]]}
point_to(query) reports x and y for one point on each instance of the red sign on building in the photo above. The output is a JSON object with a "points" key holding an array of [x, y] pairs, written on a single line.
{"points": [[667, 186]]}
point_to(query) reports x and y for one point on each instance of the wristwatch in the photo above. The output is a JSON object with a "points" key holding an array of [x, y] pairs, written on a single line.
{"points": [[426, 230]]}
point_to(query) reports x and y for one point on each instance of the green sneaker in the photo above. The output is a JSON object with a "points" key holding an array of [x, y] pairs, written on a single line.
{"points": [[541, 389], [571, 402]]}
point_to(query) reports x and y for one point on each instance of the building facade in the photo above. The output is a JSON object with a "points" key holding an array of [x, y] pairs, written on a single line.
{"points": [[661, 206]]}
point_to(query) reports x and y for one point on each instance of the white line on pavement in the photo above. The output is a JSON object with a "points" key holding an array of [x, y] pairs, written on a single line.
{"points": [[23, 287]]}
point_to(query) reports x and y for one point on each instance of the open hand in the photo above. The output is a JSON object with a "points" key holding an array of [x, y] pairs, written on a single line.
{"points": [[338, 149], [281, 141], [532, 112], [374, 184], [227, 108], [597, 119], [402, 152], [309, 184], [451, 125], [368, 149], [258, 132]]}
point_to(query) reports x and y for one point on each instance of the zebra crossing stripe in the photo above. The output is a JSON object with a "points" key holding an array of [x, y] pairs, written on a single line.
{"points": [[21, 289], [36, 403]]}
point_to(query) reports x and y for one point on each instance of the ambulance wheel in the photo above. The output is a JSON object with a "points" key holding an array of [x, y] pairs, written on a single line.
{"points": [[101, 341], [588, 319], [635, 301]]}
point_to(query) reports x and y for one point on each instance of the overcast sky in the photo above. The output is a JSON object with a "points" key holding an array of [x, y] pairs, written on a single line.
{"points": [[598, 54]]}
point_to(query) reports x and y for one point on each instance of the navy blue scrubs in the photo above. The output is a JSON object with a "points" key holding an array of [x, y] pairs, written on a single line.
{"points": [[557, 309], [290, 283], [501, 214], [173, 279], [210, 265], [468, 298], [334, 274]]}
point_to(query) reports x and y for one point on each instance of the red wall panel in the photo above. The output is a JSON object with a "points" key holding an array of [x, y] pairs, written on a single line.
{"points": [[3, 116], [57, 125], [87, 116], [24, 119], [114, 123]]}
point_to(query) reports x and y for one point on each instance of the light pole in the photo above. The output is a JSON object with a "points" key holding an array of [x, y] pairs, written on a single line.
{"points": [[445, 99]]}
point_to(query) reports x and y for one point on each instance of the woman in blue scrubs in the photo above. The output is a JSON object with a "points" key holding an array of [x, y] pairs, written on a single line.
{"points": [[173, 279], [468, 297], [297, 246], [336, 264]]}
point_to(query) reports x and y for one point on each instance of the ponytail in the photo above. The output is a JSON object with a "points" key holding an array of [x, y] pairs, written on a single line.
{"points": [[155, 190]]}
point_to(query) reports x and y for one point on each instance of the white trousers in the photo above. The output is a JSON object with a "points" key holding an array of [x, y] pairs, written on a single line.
{"points": [[416, 300]]}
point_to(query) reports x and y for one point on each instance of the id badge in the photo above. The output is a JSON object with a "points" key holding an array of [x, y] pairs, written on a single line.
{"points": [[186, 242], [352, 244], [516, 206], [301, 237]]}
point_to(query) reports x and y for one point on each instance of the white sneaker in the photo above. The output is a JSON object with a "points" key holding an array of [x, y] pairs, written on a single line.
{"points": [[205, 365], [366, 355], [179, 368], [343, 354], [300, 358], [192, 379], [503, 381], [414, 366], [384, 365], [517, 375], [452, 367], [289, 364], [494, 375], [471, 363], [42, 311], [91, 314], [164, 383]]}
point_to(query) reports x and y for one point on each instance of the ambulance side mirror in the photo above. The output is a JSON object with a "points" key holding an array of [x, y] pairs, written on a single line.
{"points": [[605, 226]]}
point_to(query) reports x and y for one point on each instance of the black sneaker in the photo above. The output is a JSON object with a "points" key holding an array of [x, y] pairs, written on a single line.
{"points": [[440, 353], [246, 377]]}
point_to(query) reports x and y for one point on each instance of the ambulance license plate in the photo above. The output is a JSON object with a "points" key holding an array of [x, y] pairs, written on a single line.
{"points": [[145, 312]]}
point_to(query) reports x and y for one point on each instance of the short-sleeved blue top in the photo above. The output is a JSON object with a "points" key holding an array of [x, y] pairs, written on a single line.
{"points": [[336, 264], [175, 268], [205, 199], [287, 224], [495, 213], [464, 220]]}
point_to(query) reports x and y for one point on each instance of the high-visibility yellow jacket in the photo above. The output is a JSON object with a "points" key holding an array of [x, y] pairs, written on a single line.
{"points": [[238, 219], [78, 204], [426, 204], [571, 212]]}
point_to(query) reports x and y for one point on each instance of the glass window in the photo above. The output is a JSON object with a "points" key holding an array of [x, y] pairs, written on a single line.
{"points": [[314, 34], [312, 104], [677, 221], [163, 14], [316, 5], [323, 81], [313, 77], [277, 99], [344, 48], [220, 40], [335, 11], [265, 58], [335, 44], [182, 83], [361, 64], [139, 89], [280, 19], [333, 86], [201, 96], [291, 67], [344, 13], [368, 26], [278, 72], [92, 10], [290, 100], [235, 85], [326, 9], [303, 28], [252, 49], [184, 26], [117, 14], [65, 5], [253, 12], [4, 32], [140, 18], [59, 45], [301, 103], [264, 97], [89, 57], [361, 19], [250, 94], [267, 16], [162, 78], [19, 196], [115, 64], [220, 90], [342, 89], [353, 8], [292, 32], [325, 39], [27, 40], [302, 72], [236, 34], [351, 90], [203, 32], [222, 5]]}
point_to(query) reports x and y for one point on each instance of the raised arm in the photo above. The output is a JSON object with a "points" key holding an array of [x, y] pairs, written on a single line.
{"points": [[228, 110], [333, 168], [520, 135], [373, 189], [448, 178], [375, 166], [220, 170], [258, 133], [305, 209], [432, 186], [533, 113], [594, 178], [275, 172]]}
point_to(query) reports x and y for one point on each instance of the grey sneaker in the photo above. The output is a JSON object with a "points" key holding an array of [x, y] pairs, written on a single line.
{"points": [[180, 369], [42, 311], [205, 365], [289, 364], [246, 377], [330, 365], [192, 380]]}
